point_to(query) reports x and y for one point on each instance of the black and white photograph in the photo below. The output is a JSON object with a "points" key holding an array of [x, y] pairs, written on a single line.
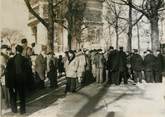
{"points": [[82, 58]]}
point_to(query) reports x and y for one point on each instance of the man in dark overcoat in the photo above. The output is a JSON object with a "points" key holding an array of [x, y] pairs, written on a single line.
{"points": [[122, 66], [158, 67], [113, 66], [137, 66], [149, 61], [16, 72]]}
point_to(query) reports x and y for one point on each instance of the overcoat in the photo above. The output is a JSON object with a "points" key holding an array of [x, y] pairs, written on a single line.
{"points": [[40, 66]]}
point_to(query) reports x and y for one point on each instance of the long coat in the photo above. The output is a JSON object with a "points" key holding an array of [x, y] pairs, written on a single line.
{"points": [[113, 61], [99, 60], [71, 68], [136, 62], [80, 57], [122, 57], [149, 62], [55, 62], [159, 63], [16, 65], [40, 66]]}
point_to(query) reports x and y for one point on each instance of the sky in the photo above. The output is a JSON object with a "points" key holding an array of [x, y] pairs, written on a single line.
{"points": [[14, 15]]}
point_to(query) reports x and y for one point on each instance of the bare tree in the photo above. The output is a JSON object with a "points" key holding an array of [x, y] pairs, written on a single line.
{"points": [[75, 20], [115, 19], [12, 36], [151, 9], [131, 21]]}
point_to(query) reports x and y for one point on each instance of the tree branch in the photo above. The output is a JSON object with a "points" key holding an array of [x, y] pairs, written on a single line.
{"points": [[123, 18], [119, 3], [136, 8], [58, 3], [162, 9], [138, 20], [31, 10]]}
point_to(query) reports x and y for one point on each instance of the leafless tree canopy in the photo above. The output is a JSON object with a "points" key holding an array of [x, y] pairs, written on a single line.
{"points": [[11, 36]]}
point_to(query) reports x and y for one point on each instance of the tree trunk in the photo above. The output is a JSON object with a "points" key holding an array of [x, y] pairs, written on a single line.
{"points": [[69, 41], [138, 36], [155, 43], [110, 40], [51, 38], [117, 35], [50, 26], [129, 48]]}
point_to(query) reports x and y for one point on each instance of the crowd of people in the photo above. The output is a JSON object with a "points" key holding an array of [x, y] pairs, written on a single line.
{"points": [[24, 71]]}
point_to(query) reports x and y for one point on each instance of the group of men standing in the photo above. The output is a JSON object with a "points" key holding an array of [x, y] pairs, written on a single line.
{"points": [[20, 74], [123, 65], [116, 66]]}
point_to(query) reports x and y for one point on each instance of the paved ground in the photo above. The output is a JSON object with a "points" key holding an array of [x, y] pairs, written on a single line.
{"points": [[142, 100]]}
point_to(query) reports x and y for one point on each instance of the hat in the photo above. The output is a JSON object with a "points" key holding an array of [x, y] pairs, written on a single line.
{"points": [[4, 47], [99, 50], [71, 51], [24, 41], [50, 52], [135, 50], [121, 48], [111, 47], [149, 51], [19, 48], [33, 44]]}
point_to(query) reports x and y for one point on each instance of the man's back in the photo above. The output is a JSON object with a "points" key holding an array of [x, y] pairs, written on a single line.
{"points": [[149, 61], [19, 62]]}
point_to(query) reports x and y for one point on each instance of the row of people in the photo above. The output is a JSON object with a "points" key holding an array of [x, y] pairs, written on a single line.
{"points": [[80, 67], [112, 66]]}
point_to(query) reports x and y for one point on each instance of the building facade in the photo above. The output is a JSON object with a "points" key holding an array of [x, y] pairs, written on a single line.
{"points": [[91, 36]]}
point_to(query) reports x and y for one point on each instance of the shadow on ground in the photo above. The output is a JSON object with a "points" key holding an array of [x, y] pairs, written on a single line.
{"points": [[91, 106], [40, 99]]}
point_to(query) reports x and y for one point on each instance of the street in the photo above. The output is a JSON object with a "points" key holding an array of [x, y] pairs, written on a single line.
{"points": [[144, 100]]}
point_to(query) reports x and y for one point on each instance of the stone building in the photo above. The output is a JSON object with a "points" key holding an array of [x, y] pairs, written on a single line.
{"points": [[91, 36]]}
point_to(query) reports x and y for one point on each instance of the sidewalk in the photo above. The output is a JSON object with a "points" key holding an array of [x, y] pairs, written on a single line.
{"points": [[142, 100]]}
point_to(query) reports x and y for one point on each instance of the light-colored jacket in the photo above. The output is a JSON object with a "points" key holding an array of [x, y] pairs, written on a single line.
{"points": [[81, 64], [3, 61], [71, 68], [99, 60], [40, 66]]}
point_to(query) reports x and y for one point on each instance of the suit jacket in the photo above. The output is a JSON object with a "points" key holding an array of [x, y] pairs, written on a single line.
{"points": [[40, 66], [71, 68]]}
